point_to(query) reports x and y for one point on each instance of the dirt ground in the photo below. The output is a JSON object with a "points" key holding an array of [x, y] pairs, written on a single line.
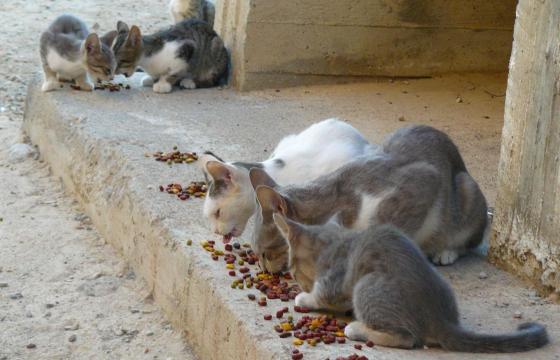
{"points": [[64, 293]]}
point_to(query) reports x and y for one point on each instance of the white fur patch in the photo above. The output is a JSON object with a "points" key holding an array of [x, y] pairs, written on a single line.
{"points": [[165, 62], [431, 223], [368, 208], [64, 67]]}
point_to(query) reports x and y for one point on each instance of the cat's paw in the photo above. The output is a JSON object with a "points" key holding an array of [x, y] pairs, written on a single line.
{"points": [[147, 80], [187, 84], [445, 257], [50, 85], [356, 331], [307, 300], [86, 86], [162, 87]]}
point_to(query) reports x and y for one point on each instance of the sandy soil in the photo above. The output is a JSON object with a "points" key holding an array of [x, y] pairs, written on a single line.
{"points": [[64, 294]]}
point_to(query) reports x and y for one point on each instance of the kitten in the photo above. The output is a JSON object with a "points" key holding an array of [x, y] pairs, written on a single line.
{"points": [[189, 53], [317, 150], [192, 9], [69, 52], [417, 182], [397, 297]]}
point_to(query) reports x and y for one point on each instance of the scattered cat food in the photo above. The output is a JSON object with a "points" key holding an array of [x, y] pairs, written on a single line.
{"points": [[195, 189], [112, 87], [313, 330], [352, 357], [358, 346], [176, 157], [370, 343]]}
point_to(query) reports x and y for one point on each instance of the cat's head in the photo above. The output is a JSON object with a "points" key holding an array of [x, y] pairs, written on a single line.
{"points": [[98, 57], [268, 243], [231, 199], [128, 48], [305, 243]]}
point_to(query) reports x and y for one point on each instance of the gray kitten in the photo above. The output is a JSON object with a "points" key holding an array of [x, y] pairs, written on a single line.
{"points": [[69, 52], [419, 184], [397, 297], [192, 9], [189, 53]]}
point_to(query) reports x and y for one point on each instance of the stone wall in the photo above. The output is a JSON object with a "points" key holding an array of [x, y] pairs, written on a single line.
{"points": [[289, 42], [526, 237]]}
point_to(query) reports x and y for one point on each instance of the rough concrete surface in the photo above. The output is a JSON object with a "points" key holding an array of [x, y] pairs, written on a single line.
{"points": [[525, 238], [96, 143], [316, 41]]}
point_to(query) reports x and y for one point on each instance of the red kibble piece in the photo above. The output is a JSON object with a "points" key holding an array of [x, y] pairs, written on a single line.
{"points": [[244, 270], [262, 302], [251, 297], [279, 314], [284, 297], [340, 340], [358, 346], [295, 351], [215, 257], [161, 188], [297, 356], [231, 273], [369, 343], [228, 247], [285, 309], [285, 335], [268, 317]]}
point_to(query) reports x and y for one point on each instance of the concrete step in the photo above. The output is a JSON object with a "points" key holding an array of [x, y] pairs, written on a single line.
{"points": [[96, 143]]}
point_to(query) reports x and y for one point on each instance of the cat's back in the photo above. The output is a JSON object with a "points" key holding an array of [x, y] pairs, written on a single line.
{"points": [[69, 25], [60, 43], [425, 143]]}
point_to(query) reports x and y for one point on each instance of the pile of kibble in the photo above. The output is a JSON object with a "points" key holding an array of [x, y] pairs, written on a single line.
{"points": [[176, 156], [195, 189]]}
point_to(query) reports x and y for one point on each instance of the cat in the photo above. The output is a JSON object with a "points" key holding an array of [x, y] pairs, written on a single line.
{"points": [[397, 297], [192, 9], [189, 53], [70, 53], [417, 182], [317, 150]]}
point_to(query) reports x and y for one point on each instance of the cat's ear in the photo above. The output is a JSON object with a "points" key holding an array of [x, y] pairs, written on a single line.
{"points": [[219, 171], [134, 36], [289, 229], [122, 27], [260, 177], [109, 37], [92, 43], [270, 200]]}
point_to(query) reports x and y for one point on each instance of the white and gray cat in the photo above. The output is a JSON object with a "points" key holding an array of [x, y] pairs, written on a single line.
{"points": [[69, 52], [318, 150], [189, 54], [192, 9], [397, 297], [418, 183]]}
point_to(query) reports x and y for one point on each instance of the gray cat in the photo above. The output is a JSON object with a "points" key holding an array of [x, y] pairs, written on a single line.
{"points": [[418, 183], [397, 297], [69, 52], [189, 53], [192, 9]]}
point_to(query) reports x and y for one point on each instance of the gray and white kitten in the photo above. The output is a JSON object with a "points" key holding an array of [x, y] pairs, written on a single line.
{"points": [[192, 9], [69, 52], [397, 297], [418, 183], [189, 53]]}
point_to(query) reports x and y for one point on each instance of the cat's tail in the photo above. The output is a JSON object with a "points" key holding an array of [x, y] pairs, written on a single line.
{"points": [[528, 336]]}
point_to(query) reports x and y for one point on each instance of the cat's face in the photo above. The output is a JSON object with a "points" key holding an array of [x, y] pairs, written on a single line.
{"points": [[304, 246], [268, 243], [99, 58], [127, 47], [231, 199]]}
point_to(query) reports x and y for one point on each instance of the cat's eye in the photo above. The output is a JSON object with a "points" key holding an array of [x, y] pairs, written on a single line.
{"points": [[217, 214], [107, 71]]}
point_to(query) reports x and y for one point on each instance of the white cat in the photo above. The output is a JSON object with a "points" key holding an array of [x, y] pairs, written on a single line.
{"points": [[318, 150]]}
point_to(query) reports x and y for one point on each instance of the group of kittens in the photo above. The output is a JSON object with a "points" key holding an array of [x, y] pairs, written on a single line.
{"points": [[357, 223], [354, 222], [189, 53]]}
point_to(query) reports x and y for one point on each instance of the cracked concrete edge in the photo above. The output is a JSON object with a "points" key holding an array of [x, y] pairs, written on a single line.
{"points": [[86, 167]]}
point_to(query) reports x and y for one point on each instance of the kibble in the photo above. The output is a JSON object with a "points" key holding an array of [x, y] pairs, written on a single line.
{"points": [[370, 343], [357, 346], [268, 317], [175, 156], [195, 189]]}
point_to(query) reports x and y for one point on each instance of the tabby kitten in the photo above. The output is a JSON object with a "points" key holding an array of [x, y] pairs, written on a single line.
{"points": [[397, 297], [189, 53], [417, 182], [192, 9], [70, 52]]}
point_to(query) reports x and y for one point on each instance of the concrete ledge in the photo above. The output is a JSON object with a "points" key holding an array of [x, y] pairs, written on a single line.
{"points": [[95, 142]]}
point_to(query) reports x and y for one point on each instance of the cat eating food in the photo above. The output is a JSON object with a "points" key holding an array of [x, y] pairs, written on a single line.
{"points": [[189, 54], [317, 150], [418, 183], [397, 297], [70, 53]]}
